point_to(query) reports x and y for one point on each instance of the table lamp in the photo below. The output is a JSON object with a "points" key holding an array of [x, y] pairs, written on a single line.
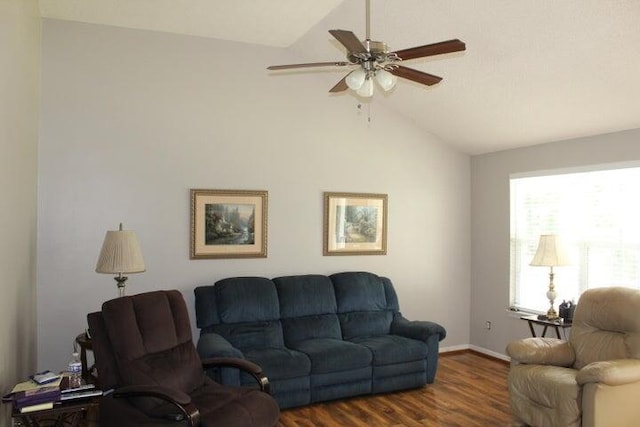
{"points": [[120, 255], [551, 254]]}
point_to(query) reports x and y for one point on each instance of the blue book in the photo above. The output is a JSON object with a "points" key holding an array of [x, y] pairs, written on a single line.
{"points": [[36, 396]]}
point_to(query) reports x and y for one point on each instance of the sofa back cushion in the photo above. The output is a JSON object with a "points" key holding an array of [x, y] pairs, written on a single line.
{"points": [[363, 309], [206, 306], [245, 311], [307, 307], [246, 299]]}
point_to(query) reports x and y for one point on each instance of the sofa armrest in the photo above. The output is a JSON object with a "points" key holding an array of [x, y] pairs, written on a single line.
{"points": [[418, 330], [247, 366], [610, 372], [541, 351], [213, 345], [182, 401]]}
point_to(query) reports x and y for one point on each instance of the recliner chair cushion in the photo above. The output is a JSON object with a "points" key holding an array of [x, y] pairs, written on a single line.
{"points": [[147, 338], [545, 395], [221, 405], [606, 326], [153, 344]]}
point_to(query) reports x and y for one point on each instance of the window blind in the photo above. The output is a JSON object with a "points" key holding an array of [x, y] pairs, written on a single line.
{"points": [[595, 212]]}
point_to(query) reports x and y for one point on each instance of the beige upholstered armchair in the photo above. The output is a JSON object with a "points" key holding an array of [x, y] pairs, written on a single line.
{"points": [[591, 380]]}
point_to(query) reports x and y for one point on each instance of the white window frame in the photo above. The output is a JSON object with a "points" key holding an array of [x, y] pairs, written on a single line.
{"points": [[590, 255]]}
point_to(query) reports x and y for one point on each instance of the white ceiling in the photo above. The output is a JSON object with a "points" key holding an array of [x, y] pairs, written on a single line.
{"points": [[534, 71]]}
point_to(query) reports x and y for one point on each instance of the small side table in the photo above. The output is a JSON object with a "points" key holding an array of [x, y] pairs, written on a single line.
{"points": [[555, 324], [81, 412]]}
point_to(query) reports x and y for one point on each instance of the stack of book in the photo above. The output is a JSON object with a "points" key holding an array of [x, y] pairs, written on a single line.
{"points": [[36, 399], [31, 396]]}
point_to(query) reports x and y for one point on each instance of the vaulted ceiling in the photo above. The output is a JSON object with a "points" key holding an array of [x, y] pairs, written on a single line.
{"points": [[534, 71]]}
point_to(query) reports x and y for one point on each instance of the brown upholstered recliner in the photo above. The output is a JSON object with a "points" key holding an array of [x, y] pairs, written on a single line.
{"points": [[591, 380], [144, 351]]}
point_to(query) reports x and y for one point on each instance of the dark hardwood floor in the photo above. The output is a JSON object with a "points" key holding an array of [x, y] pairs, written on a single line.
{"points": [[470, 390]]}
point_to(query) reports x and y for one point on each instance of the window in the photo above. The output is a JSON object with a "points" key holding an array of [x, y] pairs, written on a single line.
{"points": [[597, 215]]}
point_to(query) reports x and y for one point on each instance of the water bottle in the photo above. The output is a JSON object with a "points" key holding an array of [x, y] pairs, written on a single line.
{"points": [[75, 371]]}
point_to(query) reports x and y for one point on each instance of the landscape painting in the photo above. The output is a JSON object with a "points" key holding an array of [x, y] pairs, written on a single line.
{"points": [[228, 224], [355, 224], [231, 224]]}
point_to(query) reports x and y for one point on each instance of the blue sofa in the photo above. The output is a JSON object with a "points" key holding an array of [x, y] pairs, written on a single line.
{"points": [[317, 337]]}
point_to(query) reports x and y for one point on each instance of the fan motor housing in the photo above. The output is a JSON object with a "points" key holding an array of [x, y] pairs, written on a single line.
{"points": [[376, 51]]}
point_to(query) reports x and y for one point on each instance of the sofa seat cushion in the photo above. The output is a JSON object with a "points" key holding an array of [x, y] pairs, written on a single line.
{"points": [[332, 355], [280, 363], [390, 349], [545, 395]]}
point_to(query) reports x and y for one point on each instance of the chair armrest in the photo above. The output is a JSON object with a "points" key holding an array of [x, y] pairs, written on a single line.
{"points": [[541, 351], [177, 398], [418, 330], [243, 364], [610, 372]]}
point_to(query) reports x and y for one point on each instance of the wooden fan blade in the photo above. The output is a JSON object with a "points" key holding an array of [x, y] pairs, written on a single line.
{"points": [[310, 64], [431, 49], [340, 86], [415, 75], [348, 40]]}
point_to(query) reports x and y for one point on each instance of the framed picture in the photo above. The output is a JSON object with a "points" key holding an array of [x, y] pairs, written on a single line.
{"points": [[228, 224], [355, 224]]}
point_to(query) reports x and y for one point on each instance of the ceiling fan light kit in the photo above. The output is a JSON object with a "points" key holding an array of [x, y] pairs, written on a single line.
{"points": [[386, 80], [356, 78], [366, 90], [374, 61]]}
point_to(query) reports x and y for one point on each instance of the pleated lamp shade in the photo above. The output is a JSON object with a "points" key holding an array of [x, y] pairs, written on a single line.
{"points": [[120, 253], [550, 253]]}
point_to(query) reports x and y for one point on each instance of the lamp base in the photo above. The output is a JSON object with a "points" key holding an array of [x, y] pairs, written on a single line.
{"points": [[551, 295], [120, 279]]}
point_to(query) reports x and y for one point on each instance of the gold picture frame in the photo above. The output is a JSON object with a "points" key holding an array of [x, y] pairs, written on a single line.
{"points": [[355, 224], [228, 224]]}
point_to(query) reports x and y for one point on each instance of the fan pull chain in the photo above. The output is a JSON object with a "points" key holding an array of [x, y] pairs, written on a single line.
{"points": [[368, 111]]}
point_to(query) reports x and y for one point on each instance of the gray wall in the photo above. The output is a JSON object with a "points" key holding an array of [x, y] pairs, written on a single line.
{"points": [[19, 85], [131, 120], [490, 223]]}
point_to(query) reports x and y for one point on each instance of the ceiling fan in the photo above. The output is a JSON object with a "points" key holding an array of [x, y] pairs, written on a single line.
{"points": [[375, 62]]}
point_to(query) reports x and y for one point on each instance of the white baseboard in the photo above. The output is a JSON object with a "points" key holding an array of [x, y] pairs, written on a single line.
{"points": [[475, 348], [454, 348]]}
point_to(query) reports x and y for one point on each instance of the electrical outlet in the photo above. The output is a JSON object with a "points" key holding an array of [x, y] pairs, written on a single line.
{"points": [[487, 325]]}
